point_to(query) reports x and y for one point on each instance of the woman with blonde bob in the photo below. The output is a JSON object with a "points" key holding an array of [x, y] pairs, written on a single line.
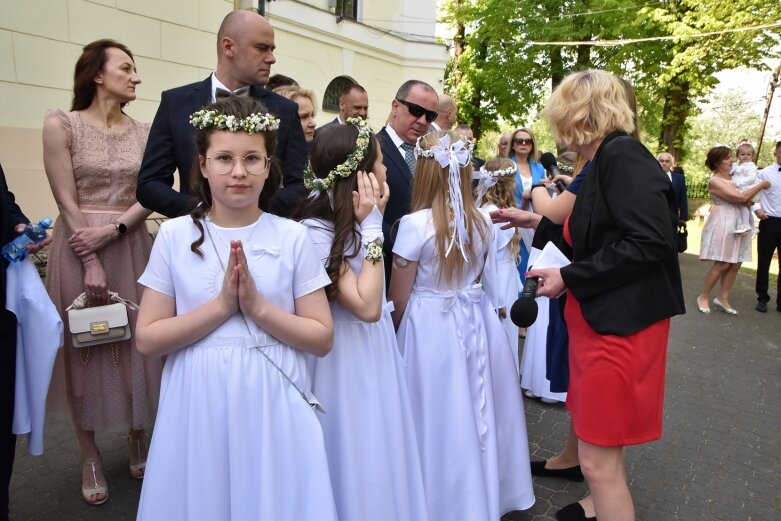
{"points": [[623, 285], [467, 406], [307, 107]]}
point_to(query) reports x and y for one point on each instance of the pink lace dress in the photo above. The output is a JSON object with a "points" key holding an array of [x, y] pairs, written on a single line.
{"points": [[110, 389]]}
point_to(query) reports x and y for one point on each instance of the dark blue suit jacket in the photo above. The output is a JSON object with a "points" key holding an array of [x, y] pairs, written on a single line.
{"points": [[335, 121], [171, 146], [679, 186], [10, 216], [400, 185]]}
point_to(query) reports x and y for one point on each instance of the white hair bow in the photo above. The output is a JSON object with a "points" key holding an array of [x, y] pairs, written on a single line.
{"points": [[454, 156]]}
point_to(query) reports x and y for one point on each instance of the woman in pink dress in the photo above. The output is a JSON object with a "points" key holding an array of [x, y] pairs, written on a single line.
{"points": [[100, 243], [719, 243]]}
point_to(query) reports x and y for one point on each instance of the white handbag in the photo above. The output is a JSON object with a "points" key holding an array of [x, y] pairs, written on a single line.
{"points": [[92, 326]]}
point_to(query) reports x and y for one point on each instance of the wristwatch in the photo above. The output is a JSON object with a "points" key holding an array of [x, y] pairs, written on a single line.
{"points": [[121, 228]]}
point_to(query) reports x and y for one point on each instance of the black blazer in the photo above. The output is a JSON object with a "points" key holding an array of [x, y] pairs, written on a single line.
{"points": [[335, 121], [625, 271], [10, 216], [171, 145], [400, 184], [679, 186]]}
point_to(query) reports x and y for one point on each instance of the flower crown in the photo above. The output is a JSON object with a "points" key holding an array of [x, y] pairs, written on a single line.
{"points": [[421, 152], [203, 119], [565, 168], [510, 170], [350, 165]]}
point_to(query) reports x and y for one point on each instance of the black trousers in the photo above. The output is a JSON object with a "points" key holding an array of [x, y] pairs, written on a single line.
{"points": [[768, 241], [7, 382]]}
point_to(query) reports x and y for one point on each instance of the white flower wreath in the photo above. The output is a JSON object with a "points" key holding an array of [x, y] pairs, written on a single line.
{"points": [[350, 165], [203, 119]]}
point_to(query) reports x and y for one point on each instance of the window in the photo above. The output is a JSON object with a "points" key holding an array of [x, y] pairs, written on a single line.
{"points": [[333, 91], [347, 9]]}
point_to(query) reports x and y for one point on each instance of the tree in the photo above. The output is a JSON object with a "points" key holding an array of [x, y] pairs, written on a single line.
{"points": [[499, 74], [684, 69]]}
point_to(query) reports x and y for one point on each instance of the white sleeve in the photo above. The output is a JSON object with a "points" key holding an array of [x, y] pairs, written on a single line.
{"points": [[490, 278], [409, 240], [158, 274], [321, 237], [308, 272]]}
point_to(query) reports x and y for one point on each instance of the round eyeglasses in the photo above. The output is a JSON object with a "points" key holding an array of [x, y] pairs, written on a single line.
{"points": [[254, 164]]}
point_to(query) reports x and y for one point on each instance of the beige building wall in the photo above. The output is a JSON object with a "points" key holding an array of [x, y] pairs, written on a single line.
{"points": [[174, 43]]}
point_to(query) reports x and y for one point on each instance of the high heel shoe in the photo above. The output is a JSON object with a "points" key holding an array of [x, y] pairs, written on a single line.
{"points": [[138, 450], [725, 309], [90, 470], [702, 309]]}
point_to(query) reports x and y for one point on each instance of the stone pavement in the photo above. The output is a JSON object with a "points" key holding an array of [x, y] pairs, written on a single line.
{"points": [[719, 458]]}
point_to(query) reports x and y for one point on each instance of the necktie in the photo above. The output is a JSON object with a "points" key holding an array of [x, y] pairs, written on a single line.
{"points": [[242, 92], [409, 156]]}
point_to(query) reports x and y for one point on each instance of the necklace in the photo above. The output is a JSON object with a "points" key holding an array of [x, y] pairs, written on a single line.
{"points": [[312, 403], [245, 241]]}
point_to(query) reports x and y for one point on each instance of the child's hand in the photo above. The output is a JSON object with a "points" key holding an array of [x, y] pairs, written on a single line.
{"points": [[250, 300], [229, 294], [369, 195]]}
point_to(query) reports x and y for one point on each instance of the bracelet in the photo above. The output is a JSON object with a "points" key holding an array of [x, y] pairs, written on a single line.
{"points": [[85, 261], [374, 251], [535, 186]]}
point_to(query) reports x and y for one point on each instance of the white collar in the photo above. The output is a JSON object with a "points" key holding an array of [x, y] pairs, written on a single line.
{"points": [[217, 84], [395, 138]]}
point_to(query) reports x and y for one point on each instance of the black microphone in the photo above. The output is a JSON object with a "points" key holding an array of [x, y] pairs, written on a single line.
{"points": [[523, 312], [548, 161]]}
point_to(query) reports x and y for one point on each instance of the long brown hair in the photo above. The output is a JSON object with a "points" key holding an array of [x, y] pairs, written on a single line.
{"points": [[240, 107], [502, 194], [90, 63], [430, 190], [330, 148]]}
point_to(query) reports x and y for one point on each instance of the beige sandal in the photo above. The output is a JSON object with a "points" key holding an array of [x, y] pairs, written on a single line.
{"points": [[138, 449], [89, 474]]}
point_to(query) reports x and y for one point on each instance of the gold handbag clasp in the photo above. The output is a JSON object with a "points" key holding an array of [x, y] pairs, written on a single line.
{"points": [[99, 328]]}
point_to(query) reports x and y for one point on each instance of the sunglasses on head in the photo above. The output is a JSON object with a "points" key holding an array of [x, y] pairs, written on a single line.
{"points": [[417, 111], [523, 141]]}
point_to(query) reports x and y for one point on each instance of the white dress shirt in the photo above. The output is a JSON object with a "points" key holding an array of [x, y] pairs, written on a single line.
{"points": [[770, 199]]}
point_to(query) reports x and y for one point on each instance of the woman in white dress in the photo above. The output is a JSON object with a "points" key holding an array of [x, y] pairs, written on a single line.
{"points": [[494, 191], [368, 428], [234, 298], [467, 402]]}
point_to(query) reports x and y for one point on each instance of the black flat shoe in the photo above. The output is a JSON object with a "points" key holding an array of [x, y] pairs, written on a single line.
{"points": [[571, 473], [573, 512]]}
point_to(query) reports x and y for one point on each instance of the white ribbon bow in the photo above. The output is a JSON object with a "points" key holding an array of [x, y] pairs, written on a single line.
{"points": [[454, 156]]}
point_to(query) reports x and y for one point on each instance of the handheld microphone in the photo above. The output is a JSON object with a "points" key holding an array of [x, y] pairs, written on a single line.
{"points": [[523, 312], [548, 161]]}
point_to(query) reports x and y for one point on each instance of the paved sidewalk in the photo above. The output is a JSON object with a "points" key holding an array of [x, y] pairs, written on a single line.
{"points": [[719, 459]]}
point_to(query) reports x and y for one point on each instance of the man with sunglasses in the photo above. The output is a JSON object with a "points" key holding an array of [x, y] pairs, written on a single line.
{"points": [[412, 111]]}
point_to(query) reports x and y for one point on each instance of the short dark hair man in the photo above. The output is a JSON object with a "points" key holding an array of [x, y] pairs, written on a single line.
{"points": [[245, 54], [412, 110], [769, 238], [353, 103]]}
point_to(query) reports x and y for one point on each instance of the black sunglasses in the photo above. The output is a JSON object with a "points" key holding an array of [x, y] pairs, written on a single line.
{"points": [[523, 141], [417, 111]]}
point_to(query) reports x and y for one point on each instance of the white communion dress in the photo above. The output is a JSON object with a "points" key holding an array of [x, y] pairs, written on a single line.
{"points": [[367, 425], [467, 404], [234, 439]]}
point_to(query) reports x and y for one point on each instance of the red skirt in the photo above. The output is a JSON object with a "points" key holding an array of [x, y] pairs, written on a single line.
{"points": [[616, 383]]}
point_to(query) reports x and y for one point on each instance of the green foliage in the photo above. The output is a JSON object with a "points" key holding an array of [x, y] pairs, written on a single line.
{"points": [[501, 77]]}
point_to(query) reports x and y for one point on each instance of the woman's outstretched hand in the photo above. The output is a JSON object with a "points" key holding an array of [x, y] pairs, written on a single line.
{"points": [[515, 218]]}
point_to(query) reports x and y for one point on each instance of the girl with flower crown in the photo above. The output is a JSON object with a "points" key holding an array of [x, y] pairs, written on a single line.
{"points": [[495, 190], [234, 297], [467, 403], [368, 427]]}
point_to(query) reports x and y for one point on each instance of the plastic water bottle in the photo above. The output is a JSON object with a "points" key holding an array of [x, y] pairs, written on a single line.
{"points": [[16, 250]]}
